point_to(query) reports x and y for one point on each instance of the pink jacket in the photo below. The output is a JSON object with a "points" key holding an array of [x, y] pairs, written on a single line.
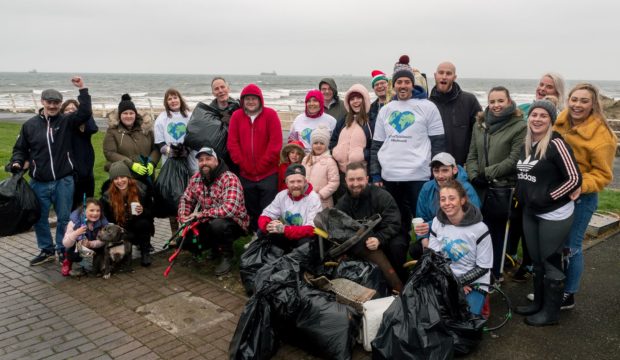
{"points": [[323, 175], [350, 147]]}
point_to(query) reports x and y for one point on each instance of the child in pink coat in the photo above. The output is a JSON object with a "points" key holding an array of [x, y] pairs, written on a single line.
{"points": [[321, 168]]}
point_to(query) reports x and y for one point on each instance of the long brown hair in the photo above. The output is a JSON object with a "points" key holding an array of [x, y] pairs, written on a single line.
{"points": [[117, 200], [184, 108], [597, 106], [361, 117]]}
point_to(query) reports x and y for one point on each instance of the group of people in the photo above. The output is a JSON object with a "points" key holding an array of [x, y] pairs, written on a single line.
{"points": [[410, 154]]}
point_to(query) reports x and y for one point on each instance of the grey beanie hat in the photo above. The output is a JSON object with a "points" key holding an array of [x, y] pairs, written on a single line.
{"points": [[548, 106], [119, 169]]}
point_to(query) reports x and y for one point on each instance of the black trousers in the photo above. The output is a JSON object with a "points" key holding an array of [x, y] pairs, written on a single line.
{"points": [[258, 195], [405, 193], [138, 231], [219, 234], [83, 185], [283, 243]]}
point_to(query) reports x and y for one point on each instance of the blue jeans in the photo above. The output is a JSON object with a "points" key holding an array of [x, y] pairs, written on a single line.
{"points": [[60, 194], [585, 206], [475, 299]]}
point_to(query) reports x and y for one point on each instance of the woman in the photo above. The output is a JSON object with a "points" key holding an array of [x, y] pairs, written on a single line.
{"points": [[547, 177], [352, 137], [459, 233], [84, 155], [550, 84], [126, 204], [170, 130], [313, 117], [131, 141], [584, 127], [495, 147]]}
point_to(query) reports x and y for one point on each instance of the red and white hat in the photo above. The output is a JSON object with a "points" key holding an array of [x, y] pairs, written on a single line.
{"points": [[376, 76]]}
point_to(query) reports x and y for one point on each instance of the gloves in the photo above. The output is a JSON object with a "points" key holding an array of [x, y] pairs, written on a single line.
{"points": [[150, 168], [15, 168], [139, 168], [480, 181]]}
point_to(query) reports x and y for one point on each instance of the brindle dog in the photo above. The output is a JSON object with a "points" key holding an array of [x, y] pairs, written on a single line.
{"points": [[116, 250]]}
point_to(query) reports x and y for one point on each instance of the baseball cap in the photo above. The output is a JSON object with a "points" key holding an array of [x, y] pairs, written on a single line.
{"points": [[206, 150], [444, 159]]}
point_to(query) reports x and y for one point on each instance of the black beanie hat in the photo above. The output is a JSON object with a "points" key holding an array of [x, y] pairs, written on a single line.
{"points": [[295, 169], [126, 104]]}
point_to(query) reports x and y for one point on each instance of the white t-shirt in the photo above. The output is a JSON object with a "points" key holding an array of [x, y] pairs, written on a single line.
{"points": [[458, 243], [405, 127], [292, 212], [302, 127], [170, 130]]}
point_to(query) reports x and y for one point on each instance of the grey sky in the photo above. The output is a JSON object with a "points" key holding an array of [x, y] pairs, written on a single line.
{"points": [[484, 38]]}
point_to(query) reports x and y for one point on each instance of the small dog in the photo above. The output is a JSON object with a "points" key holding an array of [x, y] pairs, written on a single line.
{"points": [[116, 249]]}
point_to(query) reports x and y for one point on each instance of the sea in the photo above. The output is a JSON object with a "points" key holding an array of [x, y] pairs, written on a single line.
{"points": [[282, 92]]}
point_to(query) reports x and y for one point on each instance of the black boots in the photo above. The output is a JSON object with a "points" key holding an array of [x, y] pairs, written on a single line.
{"points": [[552, 300], [145, 255], [539, 285], [225, 264]]}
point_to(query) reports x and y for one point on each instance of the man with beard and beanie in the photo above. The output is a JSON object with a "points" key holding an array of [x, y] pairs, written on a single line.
{"points": [[379, 85], [254, 143], [332, 103], [408, 133], [221, 208], [45, 142], [217, 112], [458, 111], [361, 201], [289, 220]]}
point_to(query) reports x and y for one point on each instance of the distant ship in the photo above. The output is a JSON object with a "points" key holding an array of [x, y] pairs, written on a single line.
{"points": [[273, 73], [33, 71]]}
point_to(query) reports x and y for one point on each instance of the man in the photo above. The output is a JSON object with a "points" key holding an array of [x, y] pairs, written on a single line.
{"points": [[45, 141], [380, 86], [361, 201], [221, 207], [208, 125], [254, 144], [407, 134], [458, 111], [333, 105], [444, 169], [289, 220]]}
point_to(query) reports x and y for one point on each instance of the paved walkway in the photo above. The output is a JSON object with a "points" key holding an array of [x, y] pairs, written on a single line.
{"points": [[46, 316]]}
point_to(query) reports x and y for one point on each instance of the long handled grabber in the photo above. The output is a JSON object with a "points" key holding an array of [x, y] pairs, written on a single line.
{"points": [[176, 234], [185, 228]]}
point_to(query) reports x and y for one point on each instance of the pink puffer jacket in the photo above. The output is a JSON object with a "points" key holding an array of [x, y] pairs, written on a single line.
{"points": [[322, 173]]}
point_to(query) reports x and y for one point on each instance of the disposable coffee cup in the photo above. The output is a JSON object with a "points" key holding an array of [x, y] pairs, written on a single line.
{"points": [[417, 221], [134, 208]]}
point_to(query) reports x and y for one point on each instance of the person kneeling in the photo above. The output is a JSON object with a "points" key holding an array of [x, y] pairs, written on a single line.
{"points": [[222, 216], [460, 235], [289, 220]]}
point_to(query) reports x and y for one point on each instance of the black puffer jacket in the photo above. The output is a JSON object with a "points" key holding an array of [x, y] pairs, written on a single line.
{"points": [[47, 142], [458, 111], [374, 200]]}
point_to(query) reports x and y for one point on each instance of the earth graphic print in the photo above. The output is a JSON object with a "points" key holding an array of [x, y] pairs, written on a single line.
{"points": [[305, 135], [455, 249], [401, 121], [293, 219], [177, 130]]}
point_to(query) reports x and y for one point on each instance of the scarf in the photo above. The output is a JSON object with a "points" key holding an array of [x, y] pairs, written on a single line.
{"points": [[495, 122]]}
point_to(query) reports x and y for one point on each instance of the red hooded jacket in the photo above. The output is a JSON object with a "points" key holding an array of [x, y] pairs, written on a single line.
{"points": [[255, 146]]}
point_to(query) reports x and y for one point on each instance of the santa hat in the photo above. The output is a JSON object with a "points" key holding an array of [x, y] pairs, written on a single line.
{"points": [[376, 76]]}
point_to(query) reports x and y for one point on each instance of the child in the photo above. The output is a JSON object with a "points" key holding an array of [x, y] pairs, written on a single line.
{"points": [[321, 168], [83, 227], [292, 153]]}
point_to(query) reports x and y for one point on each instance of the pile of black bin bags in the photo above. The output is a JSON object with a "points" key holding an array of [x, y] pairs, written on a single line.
{"points": [[19, 206], [430, 319]]}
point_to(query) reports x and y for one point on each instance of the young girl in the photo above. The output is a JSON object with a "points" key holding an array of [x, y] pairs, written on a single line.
{"points": [[292, 153], [84, 224], [459, 233], [321, 168]]}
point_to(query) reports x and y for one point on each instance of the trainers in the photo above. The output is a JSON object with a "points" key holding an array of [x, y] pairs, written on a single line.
{"points": [[61, 257], [568, 302], [43, 257], [521, 275]]}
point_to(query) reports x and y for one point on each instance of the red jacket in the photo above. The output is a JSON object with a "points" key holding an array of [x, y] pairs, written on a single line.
{"points": [[255, 147]]}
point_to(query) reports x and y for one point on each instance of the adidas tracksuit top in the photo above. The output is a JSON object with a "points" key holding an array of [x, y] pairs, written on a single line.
{"points": [[544, 184]]}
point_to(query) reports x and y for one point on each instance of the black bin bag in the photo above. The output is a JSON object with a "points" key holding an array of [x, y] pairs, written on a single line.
{"points": [[19, 206], [170, 186], [258, 254], [430, 319]]}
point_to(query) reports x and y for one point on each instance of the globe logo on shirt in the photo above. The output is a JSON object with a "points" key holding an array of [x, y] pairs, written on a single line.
{"points": [[293, 219], [401, 121], [177, 130], [305, 135], [455, 249]]}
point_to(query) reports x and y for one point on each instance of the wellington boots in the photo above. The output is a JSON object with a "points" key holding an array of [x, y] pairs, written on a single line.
{"points": [[145, 255], [536, 306], [224, 266], [65, 270], [552, 300]]}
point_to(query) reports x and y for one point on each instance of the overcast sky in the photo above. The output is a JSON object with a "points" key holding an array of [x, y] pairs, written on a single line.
{"points": [[484, 38]]}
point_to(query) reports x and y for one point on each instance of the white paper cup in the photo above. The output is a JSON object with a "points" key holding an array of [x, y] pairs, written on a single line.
{"points": [[134, 208], [416, 221]]}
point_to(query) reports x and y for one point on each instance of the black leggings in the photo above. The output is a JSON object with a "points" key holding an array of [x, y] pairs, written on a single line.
{"points": [[545, 241]]}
